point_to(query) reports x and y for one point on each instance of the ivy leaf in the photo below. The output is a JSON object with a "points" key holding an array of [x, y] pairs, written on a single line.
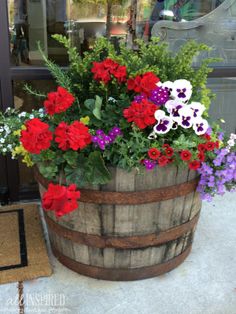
{"points": [[97, 109], [48, 171], [71, 158], [77, 174], [96, 169]]}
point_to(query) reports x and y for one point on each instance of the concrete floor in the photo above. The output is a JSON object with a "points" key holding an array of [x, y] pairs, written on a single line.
{"points": [[204, 284]]}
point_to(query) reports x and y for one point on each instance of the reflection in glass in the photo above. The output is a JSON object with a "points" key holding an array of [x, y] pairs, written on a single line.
{"points": [[120, 20], [173, 10]]}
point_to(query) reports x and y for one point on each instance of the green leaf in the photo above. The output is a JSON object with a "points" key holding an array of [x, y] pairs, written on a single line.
{"points": [[96, 169], [97, 109], [77, 175], [71, 158], [89, 104], [48, 171]]}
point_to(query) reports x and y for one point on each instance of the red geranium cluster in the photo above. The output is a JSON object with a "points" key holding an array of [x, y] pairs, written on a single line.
{"points": [[104, 71], [75, 136], [141, 113], [61, 199], [58, 101], [144, 83], [36, 137]]}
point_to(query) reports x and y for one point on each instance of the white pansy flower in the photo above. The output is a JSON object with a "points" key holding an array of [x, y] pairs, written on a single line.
{"points": [[185, 118], [182, 90], [197, 108], [2, 140], [31, 116], [4, 150], [200, 126], [173, 107], [164, 123]]}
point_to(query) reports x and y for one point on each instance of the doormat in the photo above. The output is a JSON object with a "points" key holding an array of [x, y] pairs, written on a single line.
{"points": [[23, 253]]}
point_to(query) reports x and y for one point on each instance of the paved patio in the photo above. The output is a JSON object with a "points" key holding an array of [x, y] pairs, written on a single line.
{"points": [[204, 284]]}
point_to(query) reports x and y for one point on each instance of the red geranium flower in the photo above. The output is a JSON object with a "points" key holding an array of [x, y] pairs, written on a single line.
{"points": [[120, 74], [194, 165], [169, 151], [154, 153], [163, 161], [61, 136], [75, 136], [143, 83], [36, 137], [61, 199], [210, 146], [142, 114], [104, 70], [185, 155], [79, 136], [58, 101]]}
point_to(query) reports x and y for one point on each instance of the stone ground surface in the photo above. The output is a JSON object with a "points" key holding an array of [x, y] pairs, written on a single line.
{"points": [[204, 284]]}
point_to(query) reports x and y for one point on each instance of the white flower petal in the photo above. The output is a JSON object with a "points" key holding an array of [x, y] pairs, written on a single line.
{"points": [[182, 90], [152, 136], [197, 108], [163, 126], [200, 126], [159, 114]]}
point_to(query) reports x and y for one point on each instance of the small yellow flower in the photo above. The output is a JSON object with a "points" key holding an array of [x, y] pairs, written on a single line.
{"points": [[85, 120], [27, 160], [18, 132], [19, 150]]}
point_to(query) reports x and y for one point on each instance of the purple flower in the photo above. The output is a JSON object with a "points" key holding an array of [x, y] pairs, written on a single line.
{"points": [[139, 98], [221, 136], [159, 96], [149, 164], [102, 140]]}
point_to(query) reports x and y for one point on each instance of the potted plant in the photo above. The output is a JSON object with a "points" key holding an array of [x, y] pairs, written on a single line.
{"points": [[123, 155]]}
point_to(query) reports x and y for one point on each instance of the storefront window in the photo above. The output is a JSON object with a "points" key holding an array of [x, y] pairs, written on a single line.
{"points": [[175, 21]]}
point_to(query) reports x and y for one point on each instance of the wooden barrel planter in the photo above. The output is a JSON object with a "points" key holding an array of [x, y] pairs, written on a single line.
{"points": [[135, 227]]}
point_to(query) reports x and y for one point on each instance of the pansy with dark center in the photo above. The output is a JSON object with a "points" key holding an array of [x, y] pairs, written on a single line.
{"points": [[200, 126], [181, 92], [164, 123], [197, 109], [162, 126], [186, 121]]}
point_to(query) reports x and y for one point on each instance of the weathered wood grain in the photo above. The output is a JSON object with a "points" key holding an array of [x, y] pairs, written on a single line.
{"points": [[131, 220]]}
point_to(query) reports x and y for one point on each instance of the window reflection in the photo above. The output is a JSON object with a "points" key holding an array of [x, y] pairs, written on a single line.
{"points": [[172, 10], [85, 20]]}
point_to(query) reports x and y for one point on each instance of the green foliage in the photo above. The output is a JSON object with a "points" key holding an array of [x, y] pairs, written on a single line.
{"points": [[103, 105], [87, 170], [60, 75]]}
